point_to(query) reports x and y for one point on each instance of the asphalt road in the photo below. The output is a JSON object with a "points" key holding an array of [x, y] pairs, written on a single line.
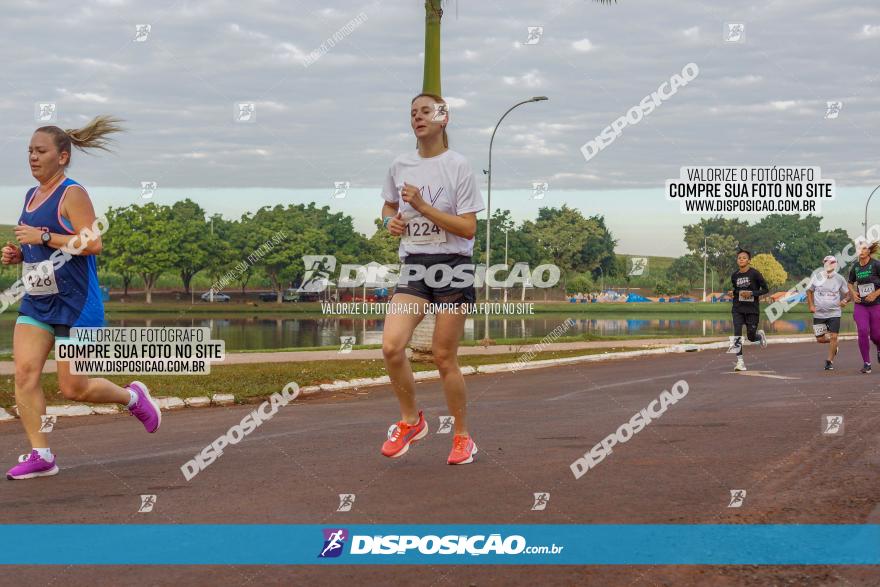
{"points": [[760, 431]]}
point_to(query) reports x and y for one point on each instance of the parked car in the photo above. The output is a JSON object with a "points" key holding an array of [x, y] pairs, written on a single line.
{"points": [[268, 296], [218, 297]]}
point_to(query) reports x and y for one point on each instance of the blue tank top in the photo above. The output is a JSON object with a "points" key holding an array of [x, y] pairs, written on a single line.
{"points": [[78, 298]]}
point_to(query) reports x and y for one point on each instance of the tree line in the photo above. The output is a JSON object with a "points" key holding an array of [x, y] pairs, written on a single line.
{"points": [[154, 240], [784, 247]]}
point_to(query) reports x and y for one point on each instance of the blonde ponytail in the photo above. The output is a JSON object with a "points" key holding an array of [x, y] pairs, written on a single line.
{"points": [[91, 136]]}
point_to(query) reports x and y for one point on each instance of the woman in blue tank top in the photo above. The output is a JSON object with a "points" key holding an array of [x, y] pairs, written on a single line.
{"points": [[61, 291]]}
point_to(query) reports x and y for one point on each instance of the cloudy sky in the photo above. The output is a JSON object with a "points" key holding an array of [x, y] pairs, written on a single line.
{"points": [[344, 117]]}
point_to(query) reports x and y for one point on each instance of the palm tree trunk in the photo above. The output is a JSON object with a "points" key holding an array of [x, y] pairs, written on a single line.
{"points": [[431, 80]]}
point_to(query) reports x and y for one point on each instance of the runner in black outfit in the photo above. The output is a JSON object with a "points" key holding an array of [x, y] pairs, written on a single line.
{"points": [[748, 287]]}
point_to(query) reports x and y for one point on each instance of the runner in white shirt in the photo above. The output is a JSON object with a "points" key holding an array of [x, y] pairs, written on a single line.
{"points": [[430, 201], [826, 295]]}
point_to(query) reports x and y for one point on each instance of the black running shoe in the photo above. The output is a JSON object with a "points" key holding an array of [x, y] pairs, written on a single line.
{"points": [[829, 366], [866, 368]]}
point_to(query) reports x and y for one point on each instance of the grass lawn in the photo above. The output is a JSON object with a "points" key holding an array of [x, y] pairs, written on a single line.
{"points": [[262, 379]]}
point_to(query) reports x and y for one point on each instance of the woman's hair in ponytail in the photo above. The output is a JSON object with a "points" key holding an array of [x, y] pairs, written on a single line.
{"points": [[438, 100], [91, 136], [873, 247]]}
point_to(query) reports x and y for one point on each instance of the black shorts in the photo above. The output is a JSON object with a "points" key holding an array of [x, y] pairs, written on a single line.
{"points": [[831, 324], [750, 321], [438, 285]]}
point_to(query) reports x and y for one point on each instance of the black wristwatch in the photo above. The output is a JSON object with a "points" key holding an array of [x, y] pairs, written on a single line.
{"points": [[46, 236]]}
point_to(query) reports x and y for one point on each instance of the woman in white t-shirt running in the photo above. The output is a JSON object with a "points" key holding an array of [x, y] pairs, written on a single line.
{"points": [[431, 202]]}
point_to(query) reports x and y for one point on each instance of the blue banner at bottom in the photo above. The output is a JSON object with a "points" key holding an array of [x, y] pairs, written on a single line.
{"points": [[524, 544]]}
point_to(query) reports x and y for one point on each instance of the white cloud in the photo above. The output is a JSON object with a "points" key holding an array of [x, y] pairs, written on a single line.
{"points": [[84, 96], [529, 80], [455, 103], [692, 33], [784, 104], [870, 31], [743, 80], [584, 45]]}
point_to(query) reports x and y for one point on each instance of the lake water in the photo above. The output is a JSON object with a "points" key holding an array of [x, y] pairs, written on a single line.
{"points": [[270, 332]]}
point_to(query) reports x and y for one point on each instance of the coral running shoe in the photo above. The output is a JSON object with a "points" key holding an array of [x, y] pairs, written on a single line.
{"points": [[146, 409], [32, 465], [463, 451], [401, 435]]}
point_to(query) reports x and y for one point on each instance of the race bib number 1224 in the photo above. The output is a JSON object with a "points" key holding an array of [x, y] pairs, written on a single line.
{"points": [[420, 230]]}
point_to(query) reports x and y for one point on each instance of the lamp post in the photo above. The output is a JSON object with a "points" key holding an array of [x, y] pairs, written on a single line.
{"points": [[705, 259], [866, 210], [489, 190], [506, 233]]}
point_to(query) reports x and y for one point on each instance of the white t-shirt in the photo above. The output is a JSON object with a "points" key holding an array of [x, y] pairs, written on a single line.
{"points": [[447, 183]]}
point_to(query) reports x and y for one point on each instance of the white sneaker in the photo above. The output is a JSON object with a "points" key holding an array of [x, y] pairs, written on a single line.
{"points": [[740, 365], [763, 338]]}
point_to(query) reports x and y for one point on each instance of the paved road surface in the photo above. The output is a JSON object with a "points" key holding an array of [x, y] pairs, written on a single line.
{"points": [[758, 431]]}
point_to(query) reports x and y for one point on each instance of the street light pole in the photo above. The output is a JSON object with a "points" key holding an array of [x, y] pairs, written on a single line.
{"points": [[489, 190], [506, 233], [705, 258], [866, 210]]}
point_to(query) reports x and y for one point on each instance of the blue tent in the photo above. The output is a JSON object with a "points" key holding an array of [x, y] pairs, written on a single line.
{"points": [[636, 298]]}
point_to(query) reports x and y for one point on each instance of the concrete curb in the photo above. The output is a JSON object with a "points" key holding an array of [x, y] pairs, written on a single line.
{"points": [[226, 399]]}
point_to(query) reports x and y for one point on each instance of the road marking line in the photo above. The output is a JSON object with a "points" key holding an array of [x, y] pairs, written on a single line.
{"points": [[768, 374], [619, 383]]}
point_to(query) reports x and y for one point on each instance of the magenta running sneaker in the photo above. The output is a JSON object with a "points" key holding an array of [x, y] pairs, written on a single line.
{"points": [[146, 409], [32, 465]]}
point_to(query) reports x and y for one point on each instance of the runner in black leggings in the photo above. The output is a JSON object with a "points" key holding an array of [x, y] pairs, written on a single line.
{"points": [[748, 287]]}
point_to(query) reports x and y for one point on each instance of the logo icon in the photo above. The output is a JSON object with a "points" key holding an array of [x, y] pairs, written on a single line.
{"points": [[832, 424], [638, 266], [148, 502], [737, 497], [141, 32], [541, 501], [148, 188], [539, 189], [47, 423], [45, 112], [346, 342], [245, 112], [734, 32], [340, 188], [346, 501], [734, 345], [445, 426], [832, 109], [441, 113], [319, 268], [334, 542], [535, 34]]}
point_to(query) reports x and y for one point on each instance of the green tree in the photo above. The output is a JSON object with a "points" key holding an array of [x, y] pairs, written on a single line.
{"points": [[582, 283], [772, 270], [799, 244], [146, 244], [564, 237], [283, 264], [384, 245], [191, 240], [687, 269], [118, 255], [723, 237]]}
